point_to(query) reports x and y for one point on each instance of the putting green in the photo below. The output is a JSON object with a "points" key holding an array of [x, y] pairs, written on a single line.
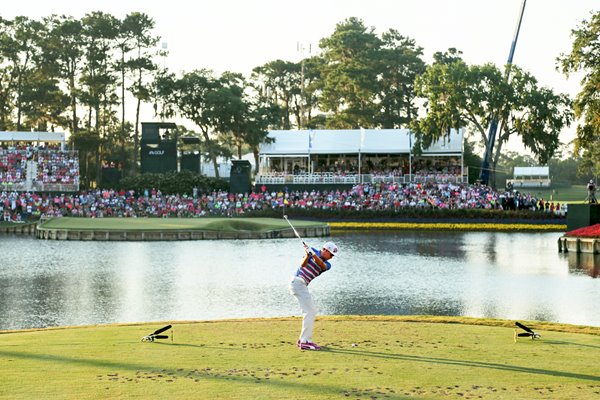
{"points": [[165, 224], [392, 357]]}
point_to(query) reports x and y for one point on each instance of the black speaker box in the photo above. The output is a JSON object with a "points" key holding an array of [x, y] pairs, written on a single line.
{"points": [[581, 215], [239, 177]]}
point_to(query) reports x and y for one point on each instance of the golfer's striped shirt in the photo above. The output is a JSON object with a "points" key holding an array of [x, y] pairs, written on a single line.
{"points": [[310, 268]]}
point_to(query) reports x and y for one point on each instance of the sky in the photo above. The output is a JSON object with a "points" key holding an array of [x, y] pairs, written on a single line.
{"points": [[238, 35]]}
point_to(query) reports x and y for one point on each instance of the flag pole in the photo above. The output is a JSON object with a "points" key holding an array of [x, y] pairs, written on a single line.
{"points": [[360, 145], [410, 179]]}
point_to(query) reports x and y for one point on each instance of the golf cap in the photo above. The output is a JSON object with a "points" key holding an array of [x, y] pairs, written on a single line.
{"points": [[332, 248]]}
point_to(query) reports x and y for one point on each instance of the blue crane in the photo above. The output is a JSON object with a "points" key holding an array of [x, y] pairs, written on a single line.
{"points": [[484, 175]]}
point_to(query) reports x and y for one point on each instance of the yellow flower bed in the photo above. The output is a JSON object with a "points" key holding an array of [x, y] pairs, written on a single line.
{"points": [[449, 226]]}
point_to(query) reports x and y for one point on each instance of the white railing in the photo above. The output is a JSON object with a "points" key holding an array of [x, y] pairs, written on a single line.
{"points": [[378, 178], [320, 178], [55, 187], [439, 178], [19, 186], [529, 183]]}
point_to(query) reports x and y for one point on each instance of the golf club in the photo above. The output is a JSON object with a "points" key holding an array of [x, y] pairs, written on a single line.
{"points": [[297, 234], [156, 334], [528, 332]]}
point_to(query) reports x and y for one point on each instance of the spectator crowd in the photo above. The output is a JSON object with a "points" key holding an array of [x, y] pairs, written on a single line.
{"points": [[23, 206], [50, 164], [13, 165]]}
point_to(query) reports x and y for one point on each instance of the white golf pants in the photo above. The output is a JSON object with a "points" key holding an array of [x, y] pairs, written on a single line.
{"points": [[299, 289]]}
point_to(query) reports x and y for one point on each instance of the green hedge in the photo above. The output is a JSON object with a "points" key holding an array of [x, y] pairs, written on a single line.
{"points": [[174, 183]]}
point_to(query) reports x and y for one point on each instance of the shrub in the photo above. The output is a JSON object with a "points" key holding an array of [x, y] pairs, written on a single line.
{"points": [[174, 183]]}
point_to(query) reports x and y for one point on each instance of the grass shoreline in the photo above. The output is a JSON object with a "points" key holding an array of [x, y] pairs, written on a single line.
{"points": [[549, 326]]}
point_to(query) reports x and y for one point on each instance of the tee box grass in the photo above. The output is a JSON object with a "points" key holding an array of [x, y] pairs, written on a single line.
{"points": [[362, 358]]}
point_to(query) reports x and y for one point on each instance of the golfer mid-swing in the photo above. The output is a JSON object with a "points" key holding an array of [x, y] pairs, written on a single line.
{"points": [[314, 264]]}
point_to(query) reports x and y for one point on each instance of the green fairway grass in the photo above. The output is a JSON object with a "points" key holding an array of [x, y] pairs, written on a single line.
{"points": [[153, 224], [393, 358], [571, 194]]}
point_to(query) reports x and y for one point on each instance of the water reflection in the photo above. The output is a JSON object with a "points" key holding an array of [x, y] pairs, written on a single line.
{"points": [[480, 274], [490, 247], [584, 264], [427, 244], [354, 303]]}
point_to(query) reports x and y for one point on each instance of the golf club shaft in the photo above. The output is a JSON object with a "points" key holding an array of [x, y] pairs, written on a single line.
{"points": [[525, 328], [295, 231], [161, 330]]}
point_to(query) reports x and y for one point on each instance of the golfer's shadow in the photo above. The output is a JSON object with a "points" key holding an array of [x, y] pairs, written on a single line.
{"points": [[562, 342], [198, 346], [463, 363], [180, 344]]}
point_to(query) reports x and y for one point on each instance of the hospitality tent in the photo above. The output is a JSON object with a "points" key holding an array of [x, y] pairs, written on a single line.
{"points": [[538, 176], [307, 143], [47, 137]]}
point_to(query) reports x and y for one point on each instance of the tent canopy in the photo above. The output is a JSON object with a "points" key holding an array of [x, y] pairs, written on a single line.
{"points": [[353, 141], [531, 171], [286, 142], [32, 137]]}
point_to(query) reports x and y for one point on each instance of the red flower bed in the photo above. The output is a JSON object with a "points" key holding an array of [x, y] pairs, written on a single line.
{"points": [[587, 231]]}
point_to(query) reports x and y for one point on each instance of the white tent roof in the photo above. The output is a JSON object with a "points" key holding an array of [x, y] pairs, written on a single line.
{"points": [[352, 141], [286, 142], [32, 137], [386, 141], [451, 144], [531, 171], [338, 141]]}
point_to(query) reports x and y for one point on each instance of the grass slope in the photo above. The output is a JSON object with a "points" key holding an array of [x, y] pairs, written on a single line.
{"points": [[149, 224], [571, 194], [394, 357]]}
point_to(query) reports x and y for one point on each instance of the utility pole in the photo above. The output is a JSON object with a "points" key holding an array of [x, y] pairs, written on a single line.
{"points": [[164, 46], [163, 52], [300, 48]]}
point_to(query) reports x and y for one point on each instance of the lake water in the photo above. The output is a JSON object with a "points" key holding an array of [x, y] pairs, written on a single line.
{"points": [[478, 274]]}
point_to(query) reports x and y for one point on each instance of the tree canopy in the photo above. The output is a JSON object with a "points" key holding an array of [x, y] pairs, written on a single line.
{"points": [[585, 58], [78, 74], [469, 96]]}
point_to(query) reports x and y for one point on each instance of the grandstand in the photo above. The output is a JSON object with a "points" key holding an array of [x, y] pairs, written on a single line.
{"points": [[37, 161], [350, 157], [530, 177]]}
